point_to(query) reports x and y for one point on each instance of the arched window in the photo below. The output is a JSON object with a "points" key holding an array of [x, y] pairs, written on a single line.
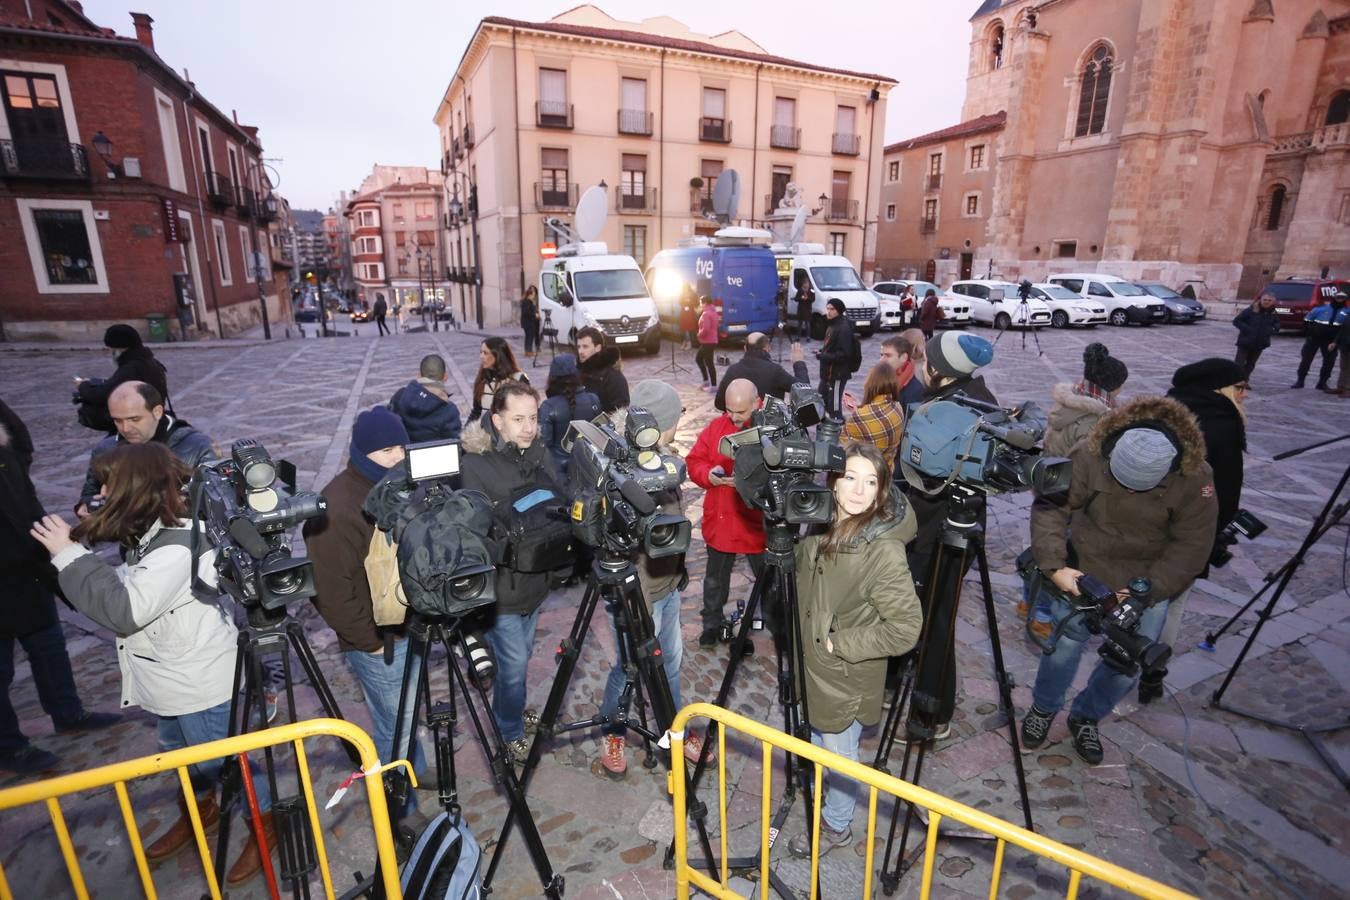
{"points": [[1338, 110], [1093, 91], [996, 44], [1276, 211]]}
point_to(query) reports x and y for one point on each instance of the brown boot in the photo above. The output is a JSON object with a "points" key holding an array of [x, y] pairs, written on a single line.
{"points": [[250, 860], [179, 834]]}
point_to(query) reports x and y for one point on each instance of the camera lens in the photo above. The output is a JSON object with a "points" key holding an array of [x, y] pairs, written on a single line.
{"points": [[663, 535], [469, 588], [285, 583]]}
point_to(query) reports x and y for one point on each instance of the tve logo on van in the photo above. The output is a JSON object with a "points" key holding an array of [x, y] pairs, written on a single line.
{"points": [[703, 267], [735, 281]]}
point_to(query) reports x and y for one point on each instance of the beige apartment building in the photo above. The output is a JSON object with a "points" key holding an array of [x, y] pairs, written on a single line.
{"points": [[1196, 142], [537, 112], [396, 224]]}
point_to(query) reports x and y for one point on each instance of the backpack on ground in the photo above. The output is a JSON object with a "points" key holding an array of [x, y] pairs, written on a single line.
{"points": [[445, 862]]}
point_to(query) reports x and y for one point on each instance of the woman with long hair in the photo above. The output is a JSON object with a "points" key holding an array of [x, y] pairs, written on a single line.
{"points": [[880, 420], [856, 607], [529, 320], [496, 366], [565, 400], [176, 651]]}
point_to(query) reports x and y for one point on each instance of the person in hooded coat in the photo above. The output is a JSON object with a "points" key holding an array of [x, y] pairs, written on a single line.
{"points": [[134, 361], [424, 404], [565, 401]]}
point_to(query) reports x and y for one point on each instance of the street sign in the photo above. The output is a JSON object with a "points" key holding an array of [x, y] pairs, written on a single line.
{"points": [[548, 250]]}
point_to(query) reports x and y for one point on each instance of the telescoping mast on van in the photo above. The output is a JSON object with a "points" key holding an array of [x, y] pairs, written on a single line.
{"points": [[830, 277], [585, 284]]}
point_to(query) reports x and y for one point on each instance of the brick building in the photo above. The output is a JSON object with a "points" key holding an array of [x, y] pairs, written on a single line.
{"points": [[396, 227], [122, 189], [537, 112]]}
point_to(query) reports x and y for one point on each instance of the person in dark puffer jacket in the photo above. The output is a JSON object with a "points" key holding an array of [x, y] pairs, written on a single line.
{"points": [[566, 400], [424, 404]]}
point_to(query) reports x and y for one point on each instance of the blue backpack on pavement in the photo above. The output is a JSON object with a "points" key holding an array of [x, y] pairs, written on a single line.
{"points": [[444, 863]]}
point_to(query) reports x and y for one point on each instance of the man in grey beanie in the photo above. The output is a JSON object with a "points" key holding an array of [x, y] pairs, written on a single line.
{"points": [[1141, 504]]}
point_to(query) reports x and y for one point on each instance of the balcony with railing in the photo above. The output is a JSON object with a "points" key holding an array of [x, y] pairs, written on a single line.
{"points": [[716, 130], [244, 201], [846, 144], [553, 114], [456, 148], [927, 226], [700, 203], [555, 195], [841, 209], [785, 137], [639, 202], [468, 137], [30, 158], [934, 181], [635, 121], [771, 202], [219, 191], [265, 208]]}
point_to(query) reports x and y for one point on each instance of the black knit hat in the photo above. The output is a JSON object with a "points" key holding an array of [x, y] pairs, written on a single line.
{"points": [[121, 337], [1209, 374], [1103, 369]]}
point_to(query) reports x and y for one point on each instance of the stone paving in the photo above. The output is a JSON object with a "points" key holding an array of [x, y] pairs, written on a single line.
{"points": [[1212, 803]]}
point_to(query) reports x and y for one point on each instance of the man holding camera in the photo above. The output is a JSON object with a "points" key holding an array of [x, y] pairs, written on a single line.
{"points": [[137, 411], [730, 525], [1141, 504], [504, 460]]}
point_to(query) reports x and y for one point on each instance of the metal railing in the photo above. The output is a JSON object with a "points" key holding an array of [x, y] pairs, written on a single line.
{"points": [[245, 201], [876, 785], [934, 180], [219, 190], [117, 776], [700, 203], [468, 137], [927, 226], [40, 158], [771, 202], [846, 144], [639, 202], [555, 195], [456, 148], [552, 114], [635, 121], [841, 209], [715, 130], [785, 137]]}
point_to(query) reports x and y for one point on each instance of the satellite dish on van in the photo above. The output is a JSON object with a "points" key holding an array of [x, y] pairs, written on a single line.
{"points": [[591, 213], [798, 226], [726, 196]]}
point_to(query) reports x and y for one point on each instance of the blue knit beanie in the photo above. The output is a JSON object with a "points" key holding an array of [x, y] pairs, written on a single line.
{"points": [[375, 429]]}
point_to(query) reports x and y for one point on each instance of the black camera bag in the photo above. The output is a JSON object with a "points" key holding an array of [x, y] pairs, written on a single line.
{"points": [[539, 539]]}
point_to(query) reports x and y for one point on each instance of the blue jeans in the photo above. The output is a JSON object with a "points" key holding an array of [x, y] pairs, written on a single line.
{"points": [[46, 649], [1105, 687], [666, 625], [203, 726], [841, 797], [512, 639], [382, 684]]}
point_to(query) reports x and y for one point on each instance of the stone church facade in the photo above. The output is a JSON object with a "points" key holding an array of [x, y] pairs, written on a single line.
{"points": [[1201, 142]]}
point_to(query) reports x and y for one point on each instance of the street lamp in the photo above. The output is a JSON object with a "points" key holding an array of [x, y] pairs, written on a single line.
{"points": [[457, 210]]}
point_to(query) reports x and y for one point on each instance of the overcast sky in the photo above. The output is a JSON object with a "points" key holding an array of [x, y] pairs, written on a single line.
{"points": [[335, 89]]}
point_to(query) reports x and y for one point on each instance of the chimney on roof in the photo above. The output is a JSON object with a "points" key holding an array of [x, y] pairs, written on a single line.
{"points": [[145, 32]]}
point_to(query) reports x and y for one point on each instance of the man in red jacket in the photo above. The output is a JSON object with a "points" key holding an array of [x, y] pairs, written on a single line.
{"points": [[730, 526]]}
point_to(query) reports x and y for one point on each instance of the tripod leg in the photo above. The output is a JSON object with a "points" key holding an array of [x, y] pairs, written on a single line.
{"points": [[310, 665]]}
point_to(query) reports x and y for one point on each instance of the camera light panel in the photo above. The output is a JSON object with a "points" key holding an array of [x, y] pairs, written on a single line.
{"points": [[437, 459]]}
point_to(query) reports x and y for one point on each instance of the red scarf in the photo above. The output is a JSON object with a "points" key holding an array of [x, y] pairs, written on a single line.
{"points": [[905, 374]]}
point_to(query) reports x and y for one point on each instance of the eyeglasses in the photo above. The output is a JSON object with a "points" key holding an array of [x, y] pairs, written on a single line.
{"points": [[1244, 387]]}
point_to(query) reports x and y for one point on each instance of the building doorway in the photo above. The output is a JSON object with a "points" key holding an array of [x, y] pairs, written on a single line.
{"points": [[192, 268], [967, 261], [930, 271]]}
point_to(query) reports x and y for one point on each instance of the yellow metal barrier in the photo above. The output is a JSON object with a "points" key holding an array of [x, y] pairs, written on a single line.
{"points": [[939, 807], [118, 774]]}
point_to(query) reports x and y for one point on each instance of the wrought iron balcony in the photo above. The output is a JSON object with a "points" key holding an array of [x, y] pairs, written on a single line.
{"points": [[456, 149], [846, 144], [44, 158], [219, 190], [842, 209], [934, 181], [468, 137], [700, 204], [785, 137], [553, 114], [555, 195], [245, 201], [927, 226], [638, 203], [635, 121], [715, 130], [771, 202]]}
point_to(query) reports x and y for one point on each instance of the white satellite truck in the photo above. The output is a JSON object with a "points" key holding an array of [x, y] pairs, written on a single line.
{"points": [[585, 284], [830, 276]]}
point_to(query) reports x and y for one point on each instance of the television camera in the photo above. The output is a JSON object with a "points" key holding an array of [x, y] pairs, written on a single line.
{"points": [[1244, 524], [245, 506], [776, 459], [615, 479]]}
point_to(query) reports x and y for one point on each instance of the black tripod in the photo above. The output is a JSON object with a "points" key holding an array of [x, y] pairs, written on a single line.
{"points": [[780, 575], [440, 721], [962, 536], [1023, 314], [614, 579], [273, 633], [1330, 516], [674, 368]]}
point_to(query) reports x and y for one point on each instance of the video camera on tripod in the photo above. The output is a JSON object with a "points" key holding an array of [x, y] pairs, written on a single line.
{"points": [[614, 479], [981, 445], [246, 514], [776, 460]]}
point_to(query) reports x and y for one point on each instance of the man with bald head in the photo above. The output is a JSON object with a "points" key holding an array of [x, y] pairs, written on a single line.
{"points": [[137, 411], [768, 377], [730, 526]]}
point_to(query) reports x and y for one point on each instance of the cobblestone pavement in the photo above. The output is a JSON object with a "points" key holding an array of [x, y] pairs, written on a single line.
{"points": [[1202, 799]]}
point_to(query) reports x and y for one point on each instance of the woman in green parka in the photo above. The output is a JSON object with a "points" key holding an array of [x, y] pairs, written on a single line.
{"points": [[857, 606]]}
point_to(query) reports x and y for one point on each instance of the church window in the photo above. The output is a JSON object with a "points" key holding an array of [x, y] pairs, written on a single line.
{"points": [[1094, 88]]}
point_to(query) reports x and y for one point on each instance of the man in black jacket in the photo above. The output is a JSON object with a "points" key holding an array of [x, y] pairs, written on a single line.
{"points": [[134, 361], [28, 612], [768, 377], [836, 357], [599, 367], [424, 404], [506, 461], [1255, 324]]}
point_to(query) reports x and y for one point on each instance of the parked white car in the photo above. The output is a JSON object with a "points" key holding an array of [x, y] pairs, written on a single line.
{"points": [[1067, 308], [1125, 302], [888, 307], [998, 303], [955, 309]]}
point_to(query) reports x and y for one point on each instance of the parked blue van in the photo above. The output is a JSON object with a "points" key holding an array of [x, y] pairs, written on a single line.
{"points": [[735, 268]]}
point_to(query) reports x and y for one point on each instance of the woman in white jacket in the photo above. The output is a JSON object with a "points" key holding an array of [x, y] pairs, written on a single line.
{"points": [[176, 652]]}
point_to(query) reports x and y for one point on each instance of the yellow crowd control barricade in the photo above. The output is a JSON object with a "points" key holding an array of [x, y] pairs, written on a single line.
{"points": [[876, 783], [118, 775]]}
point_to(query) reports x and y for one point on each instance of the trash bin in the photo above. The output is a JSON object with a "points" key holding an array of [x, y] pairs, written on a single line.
{"points": [[159, 331]]}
